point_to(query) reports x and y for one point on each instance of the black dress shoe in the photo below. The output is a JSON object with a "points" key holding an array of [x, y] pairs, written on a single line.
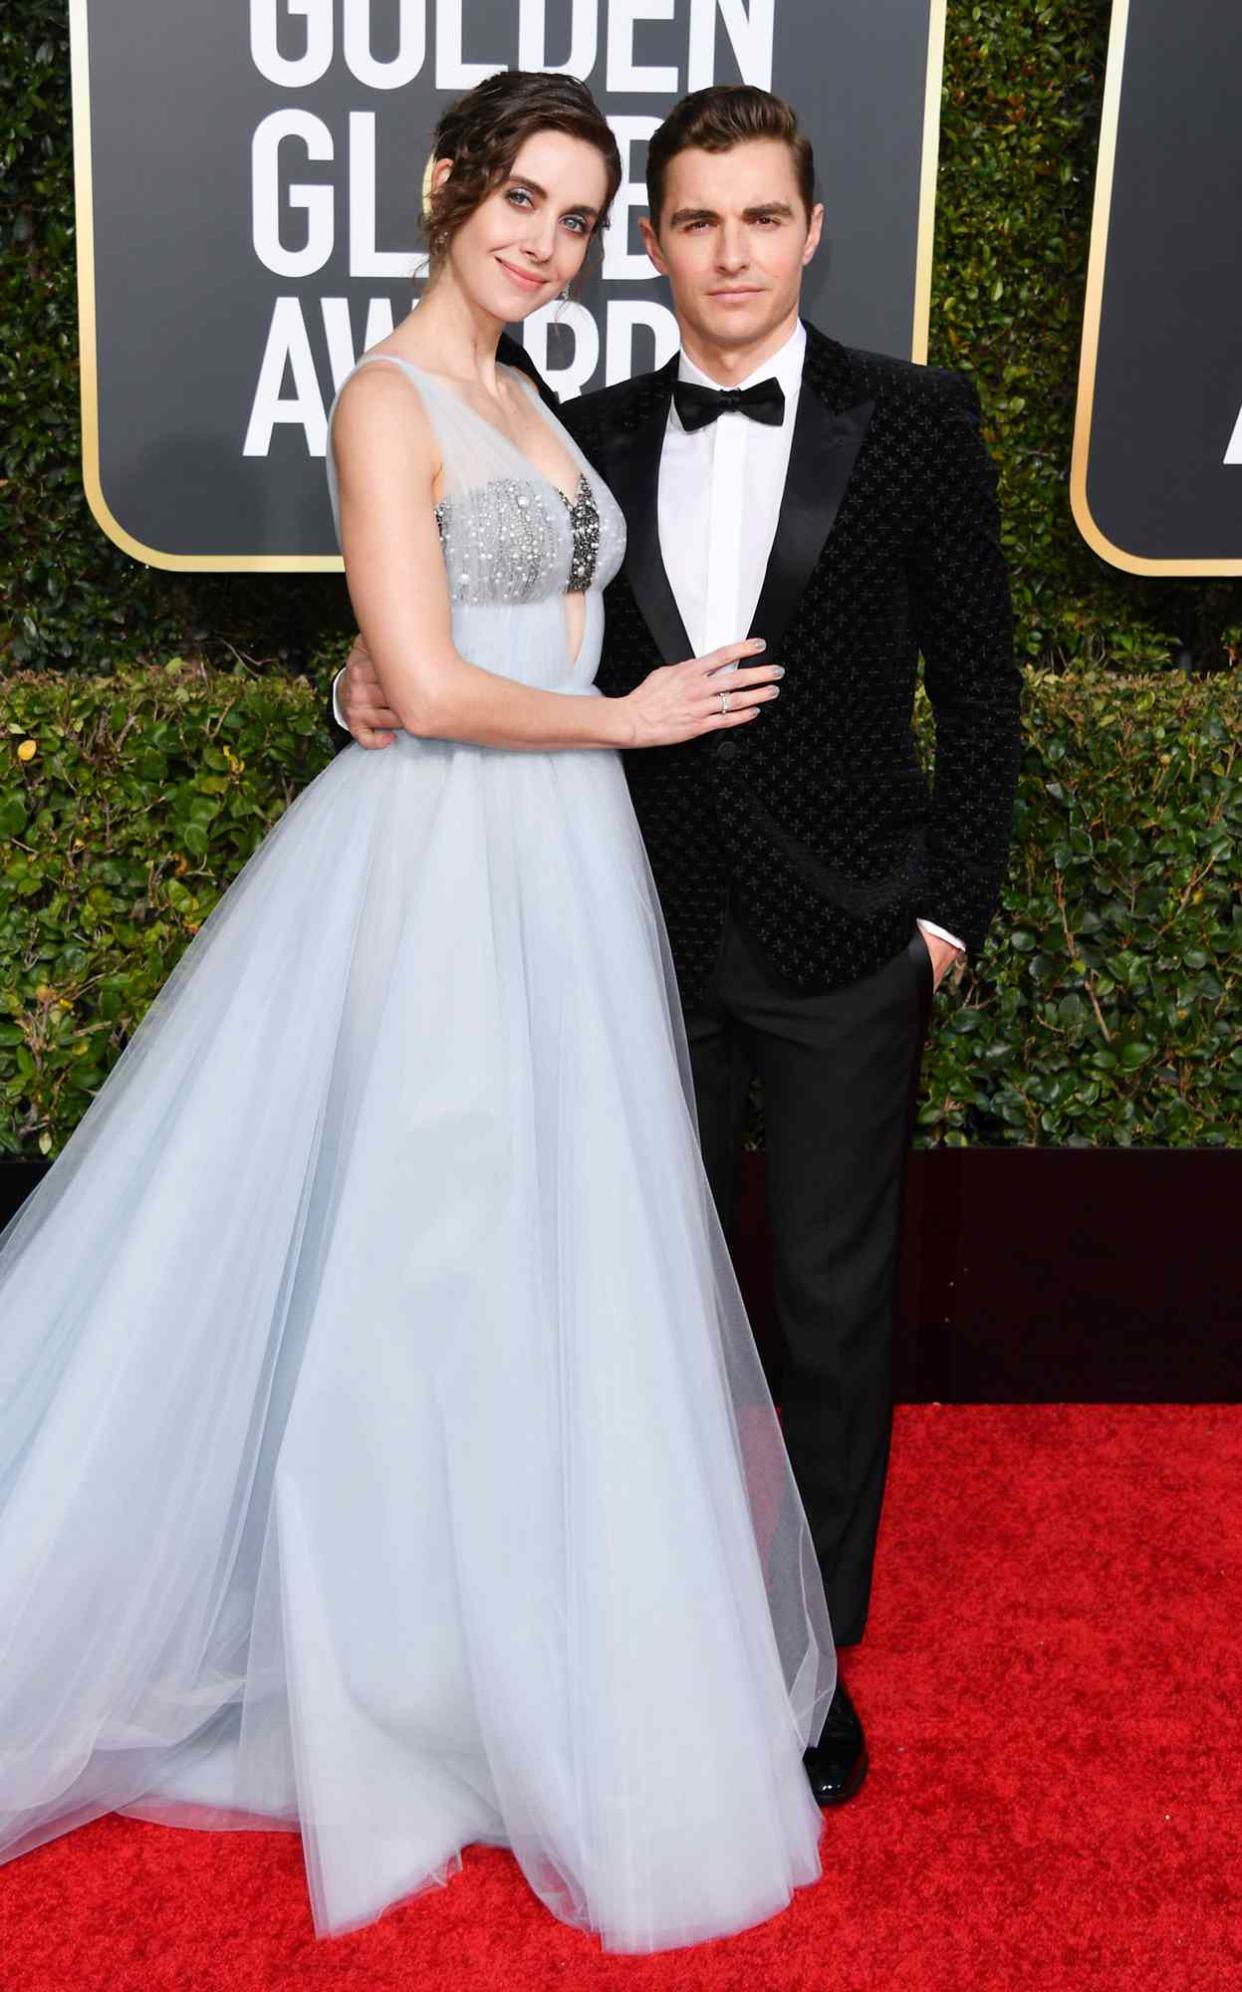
{"points": [[837, 1764]]}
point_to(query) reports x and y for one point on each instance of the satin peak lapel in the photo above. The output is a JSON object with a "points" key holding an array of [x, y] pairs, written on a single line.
{"points": [[632, 470], [822, 454]]}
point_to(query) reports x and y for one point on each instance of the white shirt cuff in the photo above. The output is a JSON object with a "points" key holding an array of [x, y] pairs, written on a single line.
{"points": [[930, 927], [337, 714]]}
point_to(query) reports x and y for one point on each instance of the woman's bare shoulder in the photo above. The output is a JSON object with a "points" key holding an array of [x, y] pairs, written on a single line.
{"points": [[380, 413]]}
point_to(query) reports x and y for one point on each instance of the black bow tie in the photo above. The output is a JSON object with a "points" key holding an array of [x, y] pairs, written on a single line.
{"points": [[697, 406]]}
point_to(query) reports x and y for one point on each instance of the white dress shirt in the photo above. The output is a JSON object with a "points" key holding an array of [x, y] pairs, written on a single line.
{"points": [[720, 496]]}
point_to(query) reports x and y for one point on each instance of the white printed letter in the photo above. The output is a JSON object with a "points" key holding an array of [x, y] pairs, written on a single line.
{"points": [[451, 72], [292, 72], [623, 318], [568, 380], [287, 345], [399, 69], [317, 201], [623, 72], [621, 263], [365, 260], [748, 24], [1234, 453], [339, 331], [533, 38]]}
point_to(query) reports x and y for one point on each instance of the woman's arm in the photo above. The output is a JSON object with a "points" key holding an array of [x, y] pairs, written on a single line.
{"points": [[387, 462]]}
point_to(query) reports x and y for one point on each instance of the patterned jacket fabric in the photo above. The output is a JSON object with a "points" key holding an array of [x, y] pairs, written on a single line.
{"points": [[817, 819]]}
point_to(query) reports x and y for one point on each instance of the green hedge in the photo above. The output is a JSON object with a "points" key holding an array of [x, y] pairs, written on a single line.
{"points": [[1105, 1007], [126, 805], [1019, 131], [1101, 1011], [1023, 81]]}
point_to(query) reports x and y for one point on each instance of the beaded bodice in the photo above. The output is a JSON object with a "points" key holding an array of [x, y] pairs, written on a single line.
{"points": [[509, 534], [500, 538]]}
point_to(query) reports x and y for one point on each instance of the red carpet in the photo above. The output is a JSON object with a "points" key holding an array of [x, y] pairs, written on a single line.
{"points": [[1051, 1684]]}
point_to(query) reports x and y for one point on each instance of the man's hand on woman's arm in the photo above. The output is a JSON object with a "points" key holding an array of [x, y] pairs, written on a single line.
{"points": [[358, 701], [387, 462]]}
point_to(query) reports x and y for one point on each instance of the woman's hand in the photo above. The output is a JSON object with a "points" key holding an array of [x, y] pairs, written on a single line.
{"points": [[680, 701]]}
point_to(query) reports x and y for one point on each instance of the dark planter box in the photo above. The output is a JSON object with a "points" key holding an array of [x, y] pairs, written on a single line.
{"points": [[1036, 1275], [1050, 1275]]}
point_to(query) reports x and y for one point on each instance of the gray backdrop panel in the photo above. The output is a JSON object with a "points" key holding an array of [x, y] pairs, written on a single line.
{"points": [[184, 305], [1168, 381]]}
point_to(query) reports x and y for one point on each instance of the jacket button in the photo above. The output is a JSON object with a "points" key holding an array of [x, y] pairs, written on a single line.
{"points": [[726, 750]]}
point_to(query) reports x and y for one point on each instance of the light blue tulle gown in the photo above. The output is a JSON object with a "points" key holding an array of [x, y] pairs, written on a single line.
{"points": [[383, 1449]]}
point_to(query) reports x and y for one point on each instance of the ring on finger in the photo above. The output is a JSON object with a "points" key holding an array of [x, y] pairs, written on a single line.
{"points": [[724, 703]]}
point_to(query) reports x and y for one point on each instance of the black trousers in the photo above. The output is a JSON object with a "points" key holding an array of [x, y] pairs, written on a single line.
{"points": [[839, 1073]]}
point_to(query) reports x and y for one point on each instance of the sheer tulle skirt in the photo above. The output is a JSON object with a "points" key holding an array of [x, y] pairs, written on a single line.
{"points": [[383, 1449]]}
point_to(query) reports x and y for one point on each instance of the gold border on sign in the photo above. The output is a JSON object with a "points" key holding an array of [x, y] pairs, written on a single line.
{"points": [[928, 176], [331, 563], [1097, 540], [84, 214]]}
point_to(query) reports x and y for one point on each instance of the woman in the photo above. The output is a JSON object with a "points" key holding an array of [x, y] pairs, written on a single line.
{"points": [[384, 1452]]}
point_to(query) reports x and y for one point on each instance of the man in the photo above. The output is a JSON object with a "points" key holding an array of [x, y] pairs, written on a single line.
{"points": [[842, 506]]}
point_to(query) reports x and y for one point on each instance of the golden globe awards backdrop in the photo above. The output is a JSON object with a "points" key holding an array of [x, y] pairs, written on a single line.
{"points": [[248, 190], [1157, 475]]}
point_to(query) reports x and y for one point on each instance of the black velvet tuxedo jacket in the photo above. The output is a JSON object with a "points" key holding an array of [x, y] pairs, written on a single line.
{"points": [[816, 820]]}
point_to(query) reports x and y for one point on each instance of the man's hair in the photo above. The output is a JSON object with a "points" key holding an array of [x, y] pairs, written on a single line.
{"points": [[717, 119]]}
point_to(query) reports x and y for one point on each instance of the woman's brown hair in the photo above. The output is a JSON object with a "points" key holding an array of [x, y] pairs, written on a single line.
{"points": [[717, 119], [483, 132]]}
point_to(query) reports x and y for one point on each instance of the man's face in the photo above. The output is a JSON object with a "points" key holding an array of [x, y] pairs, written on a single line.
{"points": [[733, 240]]}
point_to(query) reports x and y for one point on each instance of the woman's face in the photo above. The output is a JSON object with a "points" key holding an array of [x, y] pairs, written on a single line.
{"points": [[527, 240]]}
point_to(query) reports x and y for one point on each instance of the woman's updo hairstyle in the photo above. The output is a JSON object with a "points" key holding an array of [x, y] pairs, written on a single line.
{"points": [[483, 132]]}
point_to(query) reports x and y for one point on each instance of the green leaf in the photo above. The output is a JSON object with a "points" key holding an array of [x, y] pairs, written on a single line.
{"points": [[13, 816], [1130, 1056]]}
